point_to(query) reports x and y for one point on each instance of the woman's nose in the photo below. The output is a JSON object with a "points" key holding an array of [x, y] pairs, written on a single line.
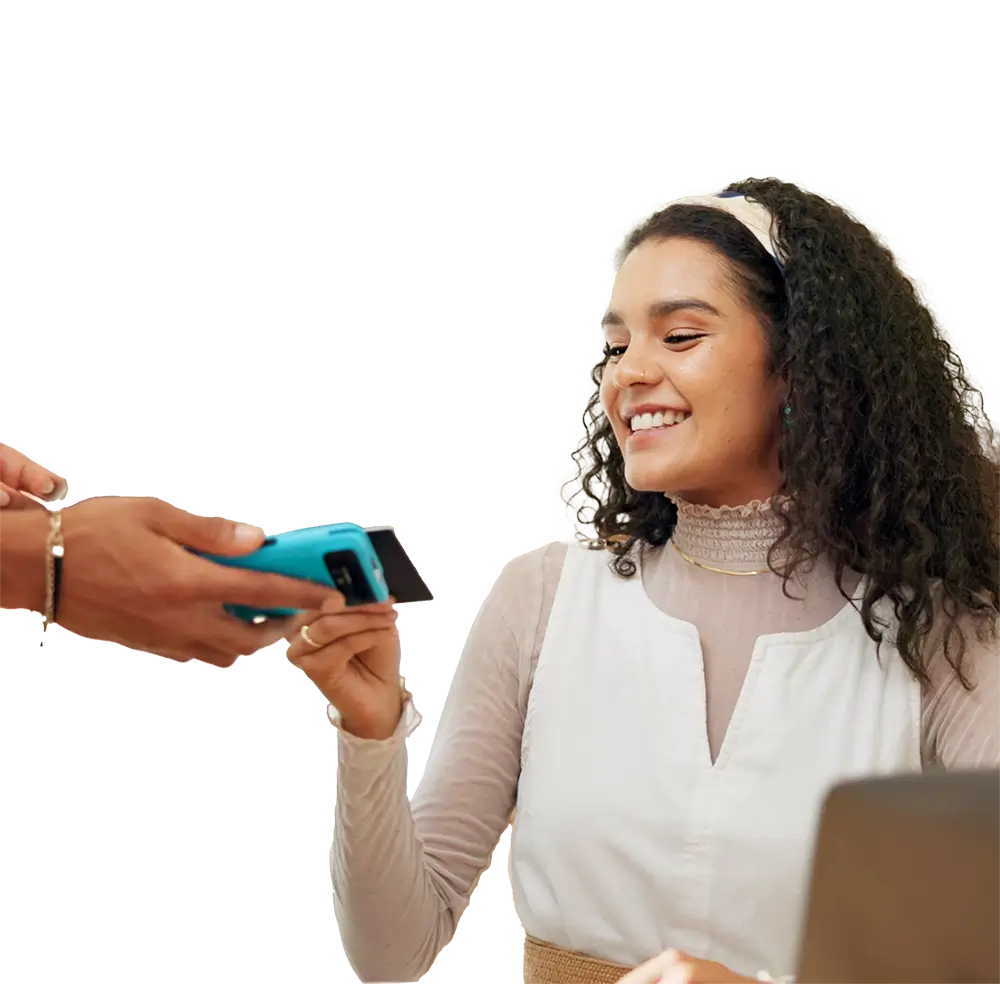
{"points": [[628, 373]]}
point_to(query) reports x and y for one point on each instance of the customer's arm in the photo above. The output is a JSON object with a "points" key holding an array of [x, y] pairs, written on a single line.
{"points": [[127, 578], [23, 534], [403, 872]]}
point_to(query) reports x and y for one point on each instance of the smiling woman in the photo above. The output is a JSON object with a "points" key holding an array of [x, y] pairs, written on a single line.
{"points": [[797, 490], [682, 341], [850, 406]]}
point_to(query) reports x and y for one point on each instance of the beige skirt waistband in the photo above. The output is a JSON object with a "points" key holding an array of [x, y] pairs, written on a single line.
{"points": [[548, 964]]}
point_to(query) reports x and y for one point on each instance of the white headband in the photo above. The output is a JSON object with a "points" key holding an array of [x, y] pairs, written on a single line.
{"points": [[752, 214]]}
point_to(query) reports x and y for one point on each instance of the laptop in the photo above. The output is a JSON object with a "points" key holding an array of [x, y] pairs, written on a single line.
{"points": [[906, 882]]}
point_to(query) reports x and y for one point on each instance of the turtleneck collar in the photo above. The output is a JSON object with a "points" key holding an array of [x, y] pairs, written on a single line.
{"points": [[732, 536]]}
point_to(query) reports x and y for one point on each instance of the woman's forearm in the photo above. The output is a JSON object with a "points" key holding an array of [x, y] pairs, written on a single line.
{"points": [[393, 919]]}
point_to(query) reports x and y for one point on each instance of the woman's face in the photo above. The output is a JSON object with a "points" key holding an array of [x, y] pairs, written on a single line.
{"points": [[687, 388]]}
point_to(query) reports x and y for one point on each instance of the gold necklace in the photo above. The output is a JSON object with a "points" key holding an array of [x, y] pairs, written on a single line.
{"points": [[715, 570]]}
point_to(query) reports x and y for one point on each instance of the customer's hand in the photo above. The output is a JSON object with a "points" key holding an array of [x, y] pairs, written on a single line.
{"points": [[19, 474], [128, 579], [677, 967], [356, 666]]}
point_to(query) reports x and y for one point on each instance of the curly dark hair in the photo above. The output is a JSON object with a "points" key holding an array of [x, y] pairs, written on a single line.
{"points": [[890, 464]]}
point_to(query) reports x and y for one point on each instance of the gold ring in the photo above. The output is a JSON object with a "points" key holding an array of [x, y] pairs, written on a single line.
{"points": [[308, 639]]}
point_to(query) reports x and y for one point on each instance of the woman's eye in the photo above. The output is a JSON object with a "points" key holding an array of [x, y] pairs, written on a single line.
{"points": [[612, 353]]}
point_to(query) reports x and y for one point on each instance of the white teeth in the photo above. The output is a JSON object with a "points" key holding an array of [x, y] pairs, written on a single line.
{"points": [[664, 418]]}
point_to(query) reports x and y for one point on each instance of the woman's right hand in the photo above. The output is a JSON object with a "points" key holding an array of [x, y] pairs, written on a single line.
{"points": [[356, 666]]}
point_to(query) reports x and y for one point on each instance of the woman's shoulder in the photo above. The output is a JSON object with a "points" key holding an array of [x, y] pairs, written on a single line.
{"points": [[525, 590], [538, 564]]}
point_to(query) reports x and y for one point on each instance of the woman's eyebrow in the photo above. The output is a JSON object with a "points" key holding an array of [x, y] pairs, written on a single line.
{"points": [[662, 309]]}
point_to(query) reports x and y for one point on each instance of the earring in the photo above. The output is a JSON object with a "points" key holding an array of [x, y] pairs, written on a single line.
{"points": [[786, 414]]}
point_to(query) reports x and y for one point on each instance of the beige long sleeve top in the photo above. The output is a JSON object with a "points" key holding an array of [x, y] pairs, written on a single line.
{"points": [[403, 872]]}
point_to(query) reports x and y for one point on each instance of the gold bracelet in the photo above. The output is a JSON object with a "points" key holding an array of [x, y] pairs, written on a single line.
{"points": [[53, 567]]}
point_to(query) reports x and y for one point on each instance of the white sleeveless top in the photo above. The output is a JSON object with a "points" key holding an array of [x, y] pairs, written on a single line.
{"points": [[628, 839]]}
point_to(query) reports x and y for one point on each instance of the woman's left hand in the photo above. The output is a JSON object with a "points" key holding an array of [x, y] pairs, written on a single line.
{"points": [[677, 967]]}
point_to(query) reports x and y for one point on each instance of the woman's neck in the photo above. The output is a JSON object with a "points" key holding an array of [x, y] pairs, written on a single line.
{"points": [[737, 537], [759, 486]]}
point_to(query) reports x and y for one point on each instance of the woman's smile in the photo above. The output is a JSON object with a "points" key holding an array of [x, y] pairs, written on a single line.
{"points": [[648, 430]]}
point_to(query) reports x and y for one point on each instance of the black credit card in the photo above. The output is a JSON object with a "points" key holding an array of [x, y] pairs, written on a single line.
{"points": [[401, 577]]}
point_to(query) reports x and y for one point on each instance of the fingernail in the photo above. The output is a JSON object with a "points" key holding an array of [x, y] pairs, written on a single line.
{"points": [[4, 497], [245, 535]]}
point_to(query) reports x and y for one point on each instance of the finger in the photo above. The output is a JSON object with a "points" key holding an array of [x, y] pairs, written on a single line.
{"points": [[338, 602], [259, 589], [292, 626], [19, 472], [12, 499], [335, 603], [336, 655], [11, 463], [333, 608], [656, 971], [43, 483], [332, 628], [680, 973], [251, 639], [222, 639], [222, 658], [204, 533], [329, 628]]}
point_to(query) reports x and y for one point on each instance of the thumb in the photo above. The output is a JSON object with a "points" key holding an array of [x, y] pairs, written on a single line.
{"points": [[206, 534], [12, 499]]}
